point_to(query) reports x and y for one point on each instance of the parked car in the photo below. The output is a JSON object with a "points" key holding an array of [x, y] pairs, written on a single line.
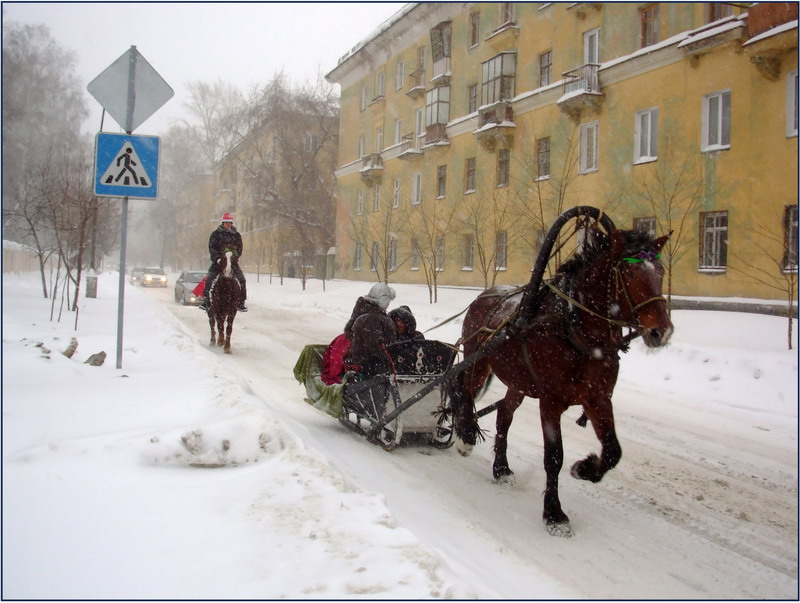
{"points": [[183, 287], [154, 277], [136, 275]]}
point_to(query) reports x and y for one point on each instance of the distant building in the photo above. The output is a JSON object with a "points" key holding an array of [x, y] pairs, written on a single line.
{"points": [[466, 128]]}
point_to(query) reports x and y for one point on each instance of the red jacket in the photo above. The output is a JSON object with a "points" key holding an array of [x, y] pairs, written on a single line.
{"points": [[333, 360]]}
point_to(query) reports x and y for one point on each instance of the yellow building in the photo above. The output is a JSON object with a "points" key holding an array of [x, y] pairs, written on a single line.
{"points": [[466, 128]]}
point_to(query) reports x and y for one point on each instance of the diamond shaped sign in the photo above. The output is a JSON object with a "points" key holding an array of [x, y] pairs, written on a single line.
{"points": [[130, 90]]}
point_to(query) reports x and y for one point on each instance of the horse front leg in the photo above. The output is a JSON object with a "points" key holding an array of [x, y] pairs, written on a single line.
{"points": [[220, 331], [228, 331], [505, 415], [211, 324], [554, 518], [461, 392], [593, 468]]}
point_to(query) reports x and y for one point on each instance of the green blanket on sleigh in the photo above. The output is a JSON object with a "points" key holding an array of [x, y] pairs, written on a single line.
{"points": [[308, 371]]}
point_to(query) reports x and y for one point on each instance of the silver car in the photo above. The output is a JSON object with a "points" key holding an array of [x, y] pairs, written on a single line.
{"points": [[183, 287], [154, 277]]}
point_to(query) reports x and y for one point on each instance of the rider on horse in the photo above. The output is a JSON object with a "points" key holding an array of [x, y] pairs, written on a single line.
{"points": [[225, 238]]}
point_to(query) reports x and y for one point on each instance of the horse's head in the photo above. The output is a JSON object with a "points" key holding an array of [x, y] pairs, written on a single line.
{"points": [[638, 277], [226, 262]]}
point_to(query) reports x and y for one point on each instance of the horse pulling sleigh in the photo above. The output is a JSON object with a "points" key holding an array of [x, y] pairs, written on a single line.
{"points": [[557, 340]]}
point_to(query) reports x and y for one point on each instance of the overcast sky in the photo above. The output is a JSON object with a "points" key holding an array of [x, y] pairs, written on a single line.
{"points": [[241, 43]]}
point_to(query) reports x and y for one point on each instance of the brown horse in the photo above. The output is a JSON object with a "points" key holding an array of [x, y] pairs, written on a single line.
{"points": [[223, 301], [565, 351]]}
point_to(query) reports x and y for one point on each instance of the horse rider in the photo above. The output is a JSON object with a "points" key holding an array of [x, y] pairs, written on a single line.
{"points": [[225, 238]]}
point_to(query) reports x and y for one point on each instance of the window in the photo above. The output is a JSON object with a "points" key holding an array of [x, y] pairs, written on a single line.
{"points": [[501, 251], [396, 193], [421, 60], [414, 254], [790, 238], [361, 147], [378, 140], [647, 225], [591, 47], [507, 13], [467, 252], [717, 121], [474, 29], [380, 85], [545, 68], [398, 131], [393, 254], [714, 240], [399, 74], [441, 181], [645, 133], [472, 91], [469, 175], [373, 257], [363, 99], [503, 165], [416, 188], [718, 10], [357, 257], [360, 203], [376, 198], [498, 78], [791, 104], [543, 157], [439, 256], [437, 105], [589, 147], [649, 25]]}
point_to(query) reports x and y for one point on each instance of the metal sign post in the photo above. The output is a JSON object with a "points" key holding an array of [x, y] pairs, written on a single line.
{"points": [[131, 91]]}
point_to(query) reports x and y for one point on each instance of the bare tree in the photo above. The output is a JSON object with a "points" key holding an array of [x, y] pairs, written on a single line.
{"points": [[378, 235], [43, 109], [771, 247], [670, 190], [217, 107], [428, 226]]}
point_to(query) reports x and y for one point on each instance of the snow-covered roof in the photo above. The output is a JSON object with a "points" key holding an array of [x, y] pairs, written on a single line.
{"points": [[378, 31], [773, 32]]}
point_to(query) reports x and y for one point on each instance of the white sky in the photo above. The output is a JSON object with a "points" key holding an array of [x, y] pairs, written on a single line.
{"points": [[241, 43]]}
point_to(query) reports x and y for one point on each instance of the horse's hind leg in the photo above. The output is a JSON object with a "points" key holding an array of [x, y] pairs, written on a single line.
{"points": [[555, 519], [505, 415]]}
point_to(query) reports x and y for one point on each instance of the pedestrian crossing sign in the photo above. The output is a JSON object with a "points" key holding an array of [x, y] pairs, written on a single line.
{"points": [[126, 166]]}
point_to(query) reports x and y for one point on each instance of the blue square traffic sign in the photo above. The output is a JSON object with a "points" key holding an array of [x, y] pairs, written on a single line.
{"points": [[126, 166]]}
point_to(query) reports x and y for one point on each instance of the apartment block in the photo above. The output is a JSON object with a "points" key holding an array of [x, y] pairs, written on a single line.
{"points": [[466, 128]]}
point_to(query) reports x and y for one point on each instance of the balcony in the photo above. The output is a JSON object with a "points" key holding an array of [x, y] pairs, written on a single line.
{"points": [[496, 126], [768, 51], [581, 91], [441, 72], [436, 134], [372, 169], [409, 147], [416, 83]]}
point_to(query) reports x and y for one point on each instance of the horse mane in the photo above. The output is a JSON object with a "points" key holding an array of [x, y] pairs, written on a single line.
{"points": [[598, 243]]}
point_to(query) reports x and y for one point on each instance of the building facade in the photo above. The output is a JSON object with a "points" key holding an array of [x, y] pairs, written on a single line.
{"points": [[466, 128]]}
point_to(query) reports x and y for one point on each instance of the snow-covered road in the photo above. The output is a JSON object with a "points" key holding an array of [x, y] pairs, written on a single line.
{"points": [[703, 504]]}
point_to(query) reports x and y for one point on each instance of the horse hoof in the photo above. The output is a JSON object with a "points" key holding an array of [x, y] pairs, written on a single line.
{"points": [[562, 530], [463, 448], [587, 469], [505, 477], [227, 350]]}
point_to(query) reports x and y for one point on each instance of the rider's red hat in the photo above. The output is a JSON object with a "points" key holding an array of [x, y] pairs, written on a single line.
{"points": [[227, 217]]}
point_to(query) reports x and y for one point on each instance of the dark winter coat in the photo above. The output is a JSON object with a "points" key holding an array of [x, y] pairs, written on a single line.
{"points": [[411, 333], [369, 329], [221, 240]]}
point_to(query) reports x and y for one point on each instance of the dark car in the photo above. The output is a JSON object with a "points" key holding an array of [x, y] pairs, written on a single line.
{"points": [[136, 275], [154, 277], [183, 287]]}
